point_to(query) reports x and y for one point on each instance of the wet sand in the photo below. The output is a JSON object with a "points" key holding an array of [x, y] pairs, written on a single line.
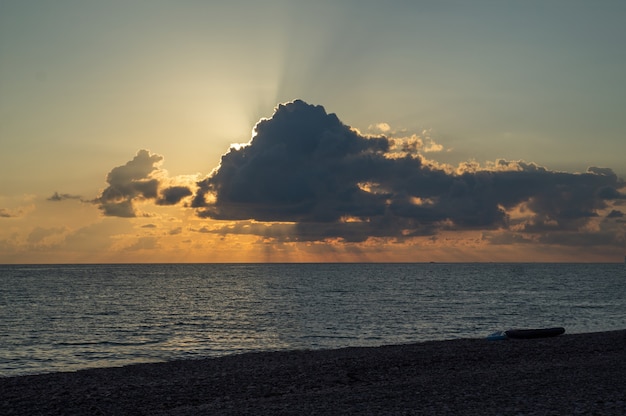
{"points": [[569, 374]]}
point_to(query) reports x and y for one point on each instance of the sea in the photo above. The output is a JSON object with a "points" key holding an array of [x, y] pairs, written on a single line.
{"points": [[71, 317]]}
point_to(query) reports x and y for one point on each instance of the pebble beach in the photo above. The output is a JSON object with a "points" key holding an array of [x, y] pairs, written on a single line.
{"points": [[569, 374]]}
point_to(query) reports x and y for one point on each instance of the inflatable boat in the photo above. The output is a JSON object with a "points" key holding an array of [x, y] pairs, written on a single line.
{"points": [[534, 333]]}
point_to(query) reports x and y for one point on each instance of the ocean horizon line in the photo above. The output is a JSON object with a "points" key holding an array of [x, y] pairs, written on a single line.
{"points": [[302, 263]]}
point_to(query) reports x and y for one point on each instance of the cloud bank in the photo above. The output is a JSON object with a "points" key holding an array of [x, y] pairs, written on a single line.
{"points": [[305, 167]]}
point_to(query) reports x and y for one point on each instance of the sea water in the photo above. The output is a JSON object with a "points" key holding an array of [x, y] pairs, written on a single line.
{"points": [[69, 317]]}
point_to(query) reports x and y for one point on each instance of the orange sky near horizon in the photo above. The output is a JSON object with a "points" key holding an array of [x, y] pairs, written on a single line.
{"points": [[174, 235]]}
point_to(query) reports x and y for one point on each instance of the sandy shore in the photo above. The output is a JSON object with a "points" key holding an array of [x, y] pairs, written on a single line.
{"points": [[570, 374]]}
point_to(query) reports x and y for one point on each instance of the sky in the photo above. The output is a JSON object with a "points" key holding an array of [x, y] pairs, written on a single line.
{"points": [[298, 131]]}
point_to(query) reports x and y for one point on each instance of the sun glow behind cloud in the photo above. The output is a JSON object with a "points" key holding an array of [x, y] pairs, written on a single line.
{"points": [[286, 196]]}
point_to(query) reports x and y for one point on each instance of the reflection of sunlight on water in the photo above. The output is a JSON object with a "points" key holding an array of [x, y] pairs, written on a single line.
{"points": [[219, 343], [181, 343]]}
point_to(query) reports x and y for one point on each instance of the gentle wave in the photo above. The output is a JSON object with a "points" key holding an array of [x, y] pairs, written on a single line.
{"points": [[68, 317], [102, 343]]}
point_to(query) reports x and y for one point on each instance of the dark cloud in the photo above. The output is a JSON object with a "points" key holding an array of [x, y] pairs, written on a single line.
{"points": [[302, 165], [615, 214], [5, 213], [499, 238], [305, 166], [131, 181], [609, 192], [62, 197], [173, 195], [601, 171], [139, 179], [176, 231], [14, 213], [306, 176]]}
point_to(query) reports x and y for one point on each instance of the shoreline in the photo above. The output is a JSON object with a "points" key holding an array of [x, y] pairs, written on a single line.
{"points": [[568, 374]]}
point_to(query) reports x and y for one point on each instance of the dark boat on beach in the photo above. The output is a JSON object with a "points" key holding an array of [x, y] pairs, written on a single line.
{"points": [[534, 333]]}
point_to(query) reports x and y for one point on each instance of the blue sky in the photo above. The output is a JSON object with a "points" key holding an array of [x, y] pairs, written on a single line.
{"points": [[85, 85]]}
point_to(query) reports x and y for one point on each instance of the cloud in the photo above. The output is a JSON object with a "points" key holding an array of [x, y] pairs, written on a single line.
{"points": [[141, 179], [16, 212], [5, 213], [615, 214], [306, 176], [302, 165], [601, 171], [306, 167], [173, 195], [129, 182], [62, 197], [276, 230], [176, 231], [380, 127]]}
